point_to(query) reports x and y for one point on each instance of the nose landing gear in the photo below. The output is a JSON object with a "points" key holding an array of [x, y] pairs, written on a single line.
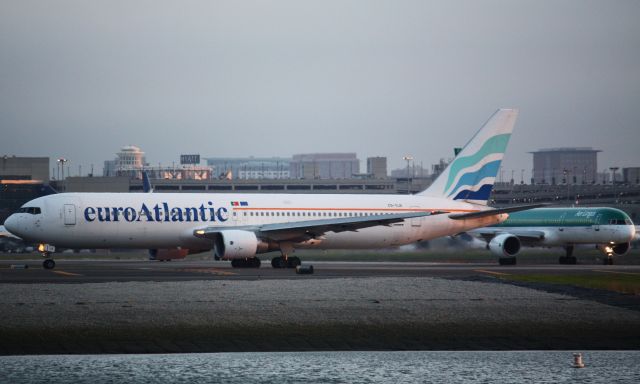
{"points": [[47, 250], [48, 264]]}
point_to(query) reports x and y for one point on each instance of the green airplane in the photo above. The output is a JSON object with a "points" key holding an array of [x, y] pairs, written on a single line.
{"points": [[610, 229]]}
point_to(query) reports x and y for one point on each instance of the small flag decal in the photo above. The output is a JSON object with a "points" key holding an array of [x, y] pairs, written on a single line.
{"points": [[239, 204]]}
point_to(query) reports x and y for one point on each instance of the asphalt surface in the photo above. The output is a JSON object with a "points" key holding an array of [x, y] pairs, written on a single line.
{"points": [[126, 306], [98, 271]]}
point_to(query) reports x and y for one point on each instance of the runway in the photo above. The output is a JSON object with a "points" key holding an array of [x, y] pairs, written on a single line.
{"points": [[100, 271]]}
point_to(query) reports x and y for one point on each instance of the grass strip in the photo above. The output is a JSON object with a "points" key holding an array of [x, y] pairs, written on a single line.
{"points": [[622, 283]]}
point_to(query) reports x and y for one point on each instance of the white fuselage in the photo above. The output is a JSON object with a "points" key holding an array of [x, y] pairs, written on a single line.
{"points": [[573, 235], [168, 220]]}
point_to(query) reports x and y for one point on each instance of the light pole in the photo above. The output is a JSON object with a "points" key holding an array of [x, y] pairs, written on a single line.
{"points": [[408, 159], [613, 182], [565, 173], [61, 162], [613, 174]]}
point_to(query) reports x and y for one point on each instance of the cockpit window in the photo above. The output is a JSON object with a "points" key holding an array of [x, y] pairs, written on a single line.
{"points": [[619, 222], [30, 210]]}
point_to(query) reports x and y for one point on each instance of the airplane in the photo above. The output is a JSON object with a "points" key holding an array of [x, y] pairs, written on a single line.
{"points": [[238, 227], [610, 229]]}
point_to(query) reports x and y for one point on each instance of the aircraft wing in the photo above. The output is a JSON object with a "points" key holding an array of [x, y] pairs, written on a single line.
{"points": [[304, 230], [496, 211], [525, 235]]}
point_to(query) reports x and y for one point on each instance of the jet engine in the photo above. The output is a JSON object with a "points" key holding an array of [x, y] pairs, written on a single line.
{"points": [[238, 244], [614, 249], [505, 245]]}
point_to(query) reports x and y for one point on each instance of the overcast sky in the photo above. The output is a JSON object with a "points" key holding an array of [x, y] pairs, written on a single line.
{"points": [[80, 79]]}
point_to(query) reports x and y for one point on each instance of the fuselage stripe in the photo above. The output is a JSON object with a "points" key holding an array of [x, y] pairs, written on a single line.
{"points": [[444, 210]]}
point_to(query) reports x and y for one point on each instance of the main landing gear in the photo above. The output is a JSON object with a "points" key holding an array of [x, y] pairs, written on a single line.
{"points": [[285, 262], [568, 258], [251, 262]]}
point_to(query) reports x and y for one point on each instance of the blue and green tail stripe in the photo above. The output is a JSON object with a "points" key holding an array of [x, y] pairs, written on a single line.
{"points": [[471, 175], [471, 182]]}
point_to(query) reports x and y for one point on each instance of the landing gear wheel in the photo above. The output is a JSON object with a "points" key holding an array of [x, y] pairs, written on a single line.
{"points": [[568, 258], [293, 262], [48, 264], [608, 261], [507, 261], [278, 262], [289, 262]]}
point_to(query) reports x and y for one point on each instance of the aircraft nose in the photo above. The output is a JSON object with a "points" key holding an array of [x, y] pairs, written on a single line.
{"points": [[11, 224]]}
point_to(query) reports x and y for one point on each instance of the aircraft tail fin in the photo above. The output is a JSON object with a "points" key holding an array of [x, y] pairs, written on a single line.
{"points": [[146, 183], [472, 173]]}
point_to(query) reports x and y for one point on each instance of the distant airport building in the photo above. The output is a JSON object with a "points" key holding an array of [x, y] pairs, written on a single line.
{"points": [[24, 168], [377, 167], [21, 179], [130, 162], [324, 166], [416, 171], [565, 166], [631, 175], [250, 168]]}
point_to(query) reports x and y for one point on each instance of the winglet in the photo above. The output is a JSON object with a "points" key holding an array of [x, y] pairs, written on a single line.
{"points": [[472, 173]]}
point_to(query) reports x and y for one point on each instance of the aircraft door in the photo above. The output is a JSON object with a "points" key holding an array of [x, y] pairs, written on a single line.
{"points": [[69, 214]]}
